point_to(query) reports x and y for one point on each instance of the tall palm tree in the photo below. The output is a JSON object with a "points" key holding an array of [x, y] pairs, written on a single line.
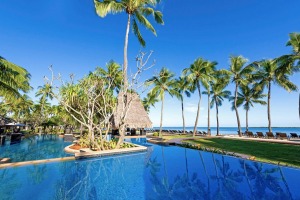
{"points": [[249, 96], [162, 83], [218, 93], [183, 88], [200, 72], [291, 62], [268, 73], [13, 79], [137, 11], [239, 74]]}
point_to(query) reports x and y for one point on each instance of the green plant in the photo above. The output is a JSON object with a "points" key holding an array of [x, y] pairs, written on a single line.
{"points": [[84, 141], [155, 134]]}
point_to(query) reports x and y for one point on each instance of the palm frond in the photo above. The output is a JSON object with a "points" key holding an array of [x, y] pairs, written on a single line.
{"points": [[137, 32]]}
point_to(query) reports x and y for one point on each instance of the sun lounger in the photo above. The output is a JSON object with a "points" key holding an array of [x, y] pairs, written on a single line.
{"points": [[294, 135], [260, 134], [270, 135], [282, 136], [250, 134]]}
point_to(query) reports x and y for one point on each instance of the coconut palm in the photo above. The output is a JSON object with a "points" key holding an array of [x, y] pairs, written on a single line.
{"points": [[183, 87], [137, 11], [239, 75], [13, 79], [218, 93], [200, 72], [45, 92], [149, 101], [249, 96], [268, 73], [291, 62], [113, 74], [20, 107], [162, 83]]}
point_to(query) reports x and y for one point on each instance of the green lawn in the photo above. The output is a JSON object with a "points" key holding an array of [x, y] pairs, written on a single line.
{"points": [[263, 151]]}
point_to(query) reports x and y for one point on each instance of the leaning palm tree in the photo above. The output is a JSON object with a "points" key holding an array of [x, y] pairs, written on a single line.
{"points": [[200, 72], [137, 11], [218, 93], [183, 87], [239, 75], [13, 79], [249, 96], [162, 83], [268, 73]]}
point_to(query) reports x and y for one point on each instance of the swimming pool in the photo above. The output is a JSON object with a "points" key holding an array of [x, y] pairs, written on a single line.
{"points": [[160, 173], [35, 148]]}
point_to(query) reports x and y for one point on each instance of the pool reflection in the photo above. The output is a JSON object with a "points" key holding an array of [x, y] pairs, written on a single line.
{"points": [[160, 173]]}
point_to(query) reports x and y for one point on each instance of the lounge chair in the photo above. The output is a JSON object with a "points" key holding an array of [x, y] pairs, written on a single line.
{"points": [[283, 136], [250, 134], [260, 134], [204, 133], [270, 135], [277, 134], [294, 135]]}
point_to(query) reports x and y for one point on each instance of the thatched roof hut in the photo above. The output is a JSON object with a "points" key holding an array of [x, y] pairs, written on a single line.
{"points": [[136, 116]]}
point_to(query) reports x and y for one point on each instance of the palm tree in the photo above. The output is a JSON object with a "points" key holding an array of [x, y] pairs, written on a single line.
{"points": [[183, 87], [45, 92], [113, 74], [137, 11], [200, 72], [162, 83], [218, 94], [291, 62], [149, 101], [13, 79], [239, 73], [268, 73], [249, 96]]}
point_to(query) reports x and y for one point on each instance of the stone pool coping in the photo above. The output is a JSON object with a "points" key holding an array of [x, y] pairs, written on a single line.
{"points": [[35, 162]]}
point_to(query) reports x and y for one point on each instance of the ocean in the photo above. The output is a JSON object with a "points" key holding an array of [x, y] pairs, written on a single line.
{"points": [[233, 130]]}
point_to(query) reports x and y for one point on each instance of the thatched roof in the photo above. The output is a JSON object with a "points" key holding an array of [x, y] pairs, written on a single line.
{"points": [[136, 116]]}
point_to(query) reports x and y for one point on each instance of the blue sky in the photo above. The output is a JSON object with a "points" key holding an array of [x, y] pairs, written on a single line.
{"points": [[70, 36]]}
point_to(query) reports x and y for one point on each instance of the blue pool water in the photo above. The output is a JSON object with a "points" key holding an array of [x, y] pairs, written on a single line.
{"points": [[160, 173], [35, 148]]}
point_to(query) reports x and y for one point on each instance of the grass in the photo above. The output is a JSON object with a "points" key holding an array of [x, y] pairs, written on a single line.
{"points": [[284, 154]]}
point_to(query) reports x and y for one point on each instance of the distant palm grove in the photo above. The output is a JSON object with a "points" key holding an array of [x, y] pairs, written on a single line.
{"points": [[202, 77]]}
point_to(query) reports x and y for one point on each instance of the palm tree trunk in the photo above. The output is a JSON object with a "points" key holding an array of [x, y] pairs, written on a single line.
{"points": [[161, 115], [236, 110], [125, 54], [299, 106], [247, 120], [217, 115], [183, 120], [208, 114], [269, 107], [198, 110]]}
